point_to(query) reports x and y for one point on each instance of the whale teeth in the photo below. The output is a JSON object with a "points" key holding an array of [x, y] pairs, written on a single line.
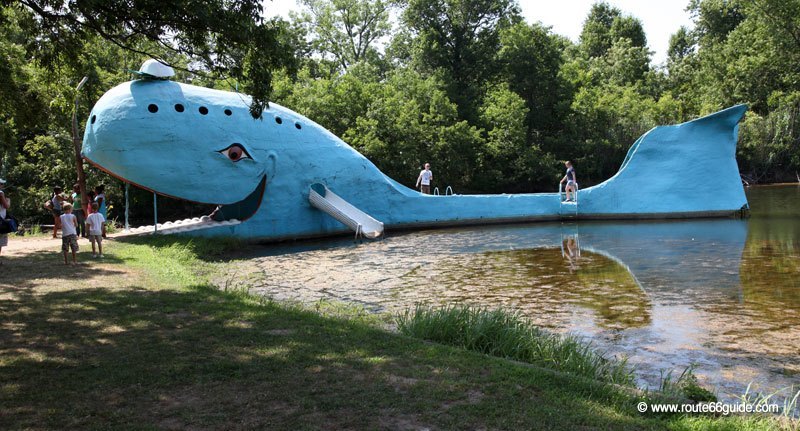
{"points": [[182, 226]]}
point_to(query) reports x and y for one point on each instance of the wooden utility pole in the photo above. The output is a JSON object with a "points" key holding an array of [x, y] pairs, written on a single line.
{"points": [[76, 142]]}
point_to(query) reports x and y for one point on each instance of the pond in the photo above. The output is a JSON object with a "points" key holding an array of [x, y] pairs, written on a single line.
{"points": [[721, 295]]}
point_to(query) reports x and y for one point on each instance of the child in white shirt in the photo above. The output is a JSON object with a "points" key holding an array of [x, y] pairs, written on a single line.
{"points": [[96, 224], [69, 233]]}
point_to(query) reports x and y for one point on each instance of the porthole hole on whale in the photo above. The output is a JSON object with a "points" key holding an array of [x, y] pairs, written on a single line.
{"points": [[179, 107], [297, 126], [279, 120], [153, 108], [94, 118], [203, 110], [228, 112]]}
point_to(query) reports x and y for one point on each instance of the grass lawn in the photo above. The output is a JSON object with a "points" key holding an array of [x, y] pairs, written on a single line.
{"points": [[141, 340]]}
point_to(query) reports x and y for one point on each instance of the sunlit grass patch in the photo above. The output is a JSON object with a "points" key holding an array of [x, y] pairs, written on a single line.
{"points": [[508, 335]]}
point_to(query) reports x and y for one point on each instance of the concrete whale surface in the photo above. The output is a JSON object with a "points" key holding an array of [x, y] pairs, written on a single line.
{"points": [[202, 145]]}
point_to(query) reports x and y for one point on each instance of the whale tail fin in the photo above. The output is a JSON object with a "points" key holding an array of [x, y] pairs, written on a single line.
{"points": [[683, 169]]}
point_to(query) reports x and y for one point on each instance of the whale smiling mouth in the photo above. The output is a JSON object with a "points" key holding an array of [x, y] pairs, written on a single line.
{"points": [[223, 215], [245, 208]]}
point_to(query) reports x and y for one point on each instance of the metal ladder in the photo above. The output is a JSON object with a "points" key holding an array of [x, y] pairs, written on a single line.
{"points": [[447, 192], [567, 209]]}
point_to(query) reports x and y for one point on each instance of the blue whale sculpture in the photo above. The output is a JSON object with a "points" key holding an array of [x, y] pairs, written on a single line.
{"points": [[285, 177]]}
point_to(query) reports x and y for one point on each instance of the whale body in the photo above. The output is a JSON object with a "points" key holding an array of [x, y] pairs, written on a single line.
{"points": [[202, 145]]}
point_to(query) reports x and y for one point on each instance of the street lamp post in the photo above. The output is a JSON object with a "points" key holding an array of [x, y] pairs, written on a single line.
{"points": [[77, 144]]}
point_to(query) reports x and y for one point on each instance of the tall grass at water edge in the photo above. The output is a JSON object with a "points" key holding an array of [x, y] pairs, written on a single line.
{"points": [[790, 408], [508, 335]]}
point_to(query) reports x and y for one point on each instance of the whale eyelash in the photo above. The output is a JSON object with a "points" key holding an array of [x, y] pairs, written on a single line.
{"points": [[235, 152]]}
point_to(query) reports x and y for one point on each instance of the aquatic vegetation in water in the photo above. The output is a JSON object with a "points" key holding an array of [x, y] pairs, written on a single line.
{"points": [[685, 386], [508, 335]]}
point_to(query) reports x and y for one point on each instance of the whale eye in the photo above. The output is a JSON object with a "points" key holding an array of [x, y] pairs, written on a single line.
{"points": [[235, 152]]}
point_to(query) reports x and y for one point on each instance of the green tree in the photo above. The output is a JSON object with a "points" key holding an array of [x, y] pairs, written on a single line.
{"points": [[625, 63], [459, 39], [595, 36], [412, 121], [337, 102], [229, 37], [347, 30], [681, 44], [714, 19], [604, 25], [511, 163], [531, 59]]}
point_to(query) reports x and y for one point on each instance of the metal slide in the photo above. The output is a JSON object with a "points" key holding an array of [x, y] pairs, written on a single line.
{"points": [[321, 197]]}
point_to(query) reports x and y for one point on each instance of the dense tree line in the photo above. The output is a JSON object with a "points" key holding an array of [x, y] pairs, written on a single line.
{"points": [[493, 101]]}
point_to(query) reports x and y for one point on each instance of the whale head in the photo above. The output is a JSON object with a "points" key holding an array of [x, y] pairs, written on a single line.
{"points": [[181, 141]]}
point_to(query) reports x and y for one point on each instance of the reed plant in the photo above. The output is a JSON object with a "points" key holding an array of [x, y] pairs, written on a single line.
{"points": [[789, 408], [685, 386], [508, 335]]}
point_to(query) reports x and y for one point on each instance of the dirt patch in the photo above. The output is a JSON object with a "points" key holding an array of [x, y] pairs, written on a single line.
{"points": [[197, 407], [24, 244], [403, 422], [400, 382], [280, 332]]}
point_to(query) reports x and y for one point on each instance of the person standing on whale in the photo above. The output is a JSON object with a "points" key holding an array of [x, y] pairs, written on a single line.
{"points": [[424, 179], [572, 184]]}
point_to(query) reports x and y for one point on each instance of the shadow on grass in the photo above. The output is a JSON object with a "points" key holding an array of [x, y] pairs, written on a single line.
{"points": [[206, 249], [20, 271], [202, 358]]}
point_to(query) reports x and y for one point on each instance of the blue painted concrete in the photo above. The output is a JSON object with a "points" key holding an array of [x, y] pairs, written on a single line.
{"points": [[182, 150]]}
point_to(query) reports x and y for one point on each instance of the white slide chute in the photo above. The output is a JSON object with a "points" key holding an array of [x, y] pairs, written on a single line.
{"points": [[322, 198]]}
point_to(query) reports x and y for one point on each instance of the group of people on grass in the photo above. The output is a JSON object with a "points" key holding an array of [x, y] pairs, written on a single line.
{"points": [[73, 219], [425, 179], [59, 199], [66, 218]]}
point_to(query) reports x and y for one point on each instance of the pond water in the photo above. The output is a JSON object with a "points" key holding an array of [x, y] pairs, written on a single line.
{"points": [[721, 295]]}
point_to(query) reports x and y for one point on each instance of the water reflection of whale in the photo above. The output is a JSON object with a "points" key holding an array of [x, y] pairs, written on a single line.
{"points": [[537, 279], [675, 258], [526, 266]]}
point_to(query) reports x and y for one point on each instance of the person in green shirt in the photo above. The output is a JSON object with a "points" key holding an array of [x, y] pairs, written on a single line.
{"points": [[78, 210]]}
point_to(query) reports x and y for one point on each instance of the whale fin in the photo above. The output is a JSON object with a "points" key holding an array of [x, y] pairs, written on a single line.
{"points": [[685, 170]]}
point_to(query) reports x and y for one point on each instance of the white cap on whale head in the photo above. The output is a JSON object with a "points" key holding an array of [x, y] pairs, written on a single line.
{"points": [[156, 68]]}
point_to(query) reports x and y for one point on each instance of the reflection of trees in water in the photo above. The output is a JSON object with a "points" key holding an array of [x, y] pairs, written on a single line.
{"points": [[770, 269], [770, 273], [536, 281]]}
